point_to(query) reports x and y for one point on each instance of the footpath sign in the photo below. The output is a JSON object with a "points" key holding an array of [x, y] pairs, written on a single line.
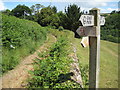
{"points": [[85, 41], [87, 20], [102, 20], [88, 28], [91, 29], [86, 31]]}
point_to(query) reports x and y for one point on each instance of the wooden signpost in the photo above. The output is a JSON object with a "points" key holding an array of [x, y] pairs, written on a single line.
{"points": [[93, 22], [87, 31]]}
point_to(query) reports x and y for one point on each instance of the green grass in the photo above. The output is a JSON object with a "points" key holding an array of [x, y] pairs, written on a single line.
{"points": [[109, 65], [54, 70], [108, 62], [19, 33], [26, 36]]}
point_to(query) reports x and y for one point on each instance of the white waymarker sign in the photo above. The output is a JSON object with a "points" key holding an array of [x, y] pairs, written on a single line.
{"points": [[87, 20], [102, 20], [85, 41]]}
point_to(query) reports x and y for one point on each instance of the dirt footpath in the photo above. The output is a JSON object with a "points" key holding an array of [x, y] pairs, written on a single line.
{"points": [[16, 78]]}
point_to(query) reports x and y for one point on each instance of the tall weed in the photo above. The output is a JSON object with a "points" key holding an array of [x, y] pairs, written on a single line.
{"points": [[19, 38], [53, 69]]}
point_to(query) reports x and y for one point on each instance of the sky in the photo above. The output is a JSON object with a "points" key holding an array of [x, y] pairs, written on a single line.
{"points": [[106, 6]]}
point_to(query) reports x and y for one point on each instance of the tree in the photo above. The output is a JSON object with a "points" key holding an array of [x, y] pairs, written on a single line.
{"points": [[32, 9], [110, 31], [44, 17], [62, 17], [7, 12], [36, 8], [48, 17], [54, 9], [54, 20], [114, 11], [21, 11], [72, 18]]}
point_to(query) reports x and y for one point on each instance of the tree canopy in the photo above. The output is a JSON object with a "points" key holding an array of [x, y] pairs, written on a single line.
{"points": [[36, 8], [72, 17], [7, 12], [20, 11], [48, 16], [110, 31]]}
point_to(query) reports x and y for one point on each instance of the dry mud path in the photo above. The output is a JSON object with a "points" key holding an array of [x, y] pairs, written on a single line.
{"points": [[16, 78]]}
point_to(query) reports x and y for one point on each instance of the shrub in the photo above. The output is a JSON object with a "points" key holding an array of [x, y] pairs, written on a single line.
{"points": [[60, 28], [19, 38], [54, 70]]}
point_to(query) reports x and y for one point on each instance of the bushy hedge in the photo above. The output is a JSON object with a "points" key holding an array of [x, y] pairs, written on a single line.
{"points": [[110, 35], [60, 28], [19, 32], [53, 69], [19, 38], [110, 31]]}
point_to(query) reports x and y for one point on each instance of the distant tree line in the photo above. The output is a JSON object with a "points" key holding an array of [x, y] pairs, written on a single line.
{"points": [[48, 16], [111, 30]]}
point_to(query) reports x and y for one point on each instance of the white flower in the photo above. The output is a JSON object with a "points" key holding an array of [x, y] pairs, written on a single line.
{"points": [[12, 46]]}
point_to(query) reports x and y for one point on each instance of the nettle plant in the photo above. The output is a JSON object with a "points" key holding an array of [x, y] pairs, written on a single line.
{"points": [[54, 70], [20, 38]]}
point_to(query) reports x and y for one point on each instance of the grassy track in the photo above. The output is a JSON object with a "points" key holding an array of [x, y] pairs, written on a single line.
{"points": [[109, 65], [108, 62]]}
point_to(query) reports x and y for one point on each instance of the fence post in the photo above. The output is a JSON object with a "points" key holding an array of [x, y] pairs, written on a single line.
{"points": [[94, 51]]}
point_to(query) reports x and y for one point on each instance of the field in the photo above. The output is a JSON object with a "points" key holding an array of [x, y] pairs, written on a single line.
{"points": [[108, 62]]}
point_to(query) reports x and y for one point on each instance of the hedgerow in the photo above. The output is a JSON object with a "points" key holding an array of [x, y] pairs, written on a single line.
{"points": [[19, 38], [52, 69]]}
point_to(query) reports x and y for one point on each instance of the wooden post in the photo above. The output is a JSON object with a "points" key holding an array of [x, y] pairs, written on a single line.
{"points": [[94, 51]]}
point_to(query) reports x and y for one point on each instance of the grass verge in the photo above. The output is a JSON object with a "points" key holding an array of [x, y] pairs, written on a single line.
{"points": [[52, 69], [19, 38]]}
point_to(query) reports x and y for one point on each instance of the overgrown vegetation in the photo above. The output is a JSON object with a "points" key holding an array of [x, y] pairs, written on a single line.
{"points": [[111, 30], [48, 16], [52, 70], [19, 38], [21, 11]]}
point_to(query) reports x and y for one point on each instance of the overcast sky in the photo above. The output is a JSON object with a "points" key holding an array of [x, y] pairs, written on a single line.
{"points": [[106, 6]]}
